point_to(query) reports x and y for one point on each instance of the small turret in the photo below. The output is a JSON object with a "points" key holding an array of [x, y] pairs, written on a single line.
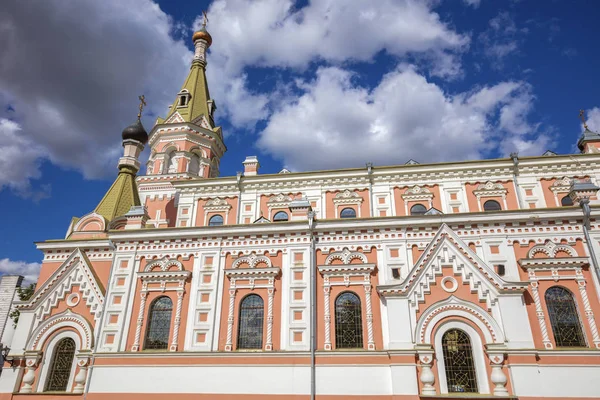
{"points": [[589, 142]]}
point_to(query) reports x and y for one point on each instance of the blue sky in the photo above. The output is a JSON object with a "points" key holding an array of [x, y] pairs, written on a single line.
{"points": [[303, 85]]}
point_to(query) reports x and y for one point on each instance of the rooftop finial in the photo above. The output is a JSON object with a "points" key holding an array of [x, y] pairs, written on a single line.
{"points": [[142, 104], [205, 20], [582, 118]]}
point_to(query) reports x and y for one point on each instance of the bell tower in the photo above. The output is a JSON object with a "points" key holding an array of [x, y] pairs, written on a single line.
{"points": [[187, 144]]}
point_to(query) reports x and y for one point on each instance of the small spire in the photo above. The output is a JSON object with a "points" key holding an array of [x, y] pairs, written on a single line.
{"points": [[582, 118], [205, 20], [142, 104]]}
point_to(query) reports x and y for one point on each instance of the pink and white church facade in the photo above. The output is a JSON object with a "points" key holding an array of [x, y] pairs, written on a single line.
{"points": [[475, 278]]}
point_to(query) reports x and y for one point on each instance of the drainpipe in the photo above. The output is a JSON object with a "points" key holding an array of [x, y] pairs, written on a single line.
{"points": [[585, 206], [581, 192], [238, 179], [515, 160], [370, 174], [313, 304]]}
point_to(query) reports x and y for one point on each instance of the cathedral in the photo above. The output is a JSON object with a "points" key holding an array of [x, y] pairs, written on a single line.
{"points": [[475, 279]]}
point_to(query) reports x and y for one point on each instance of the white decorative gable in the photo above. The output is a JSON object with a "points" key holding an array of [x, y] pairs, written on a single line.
{"points": [[448, 250], [176, 118], [75, 271]]}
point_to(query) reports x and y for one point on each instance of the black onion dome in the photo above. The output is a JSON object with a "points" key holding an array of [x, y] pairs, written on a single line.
{"points": [[135, 131]]}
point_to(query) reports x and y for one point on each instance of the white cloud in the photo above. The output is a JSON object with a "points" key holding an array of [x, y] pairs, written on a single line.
{"points": [[19, 158], [29, 271], [473, 3], [501, 39], [274, 33], [593, 119], [72, 72], [338, 124]]}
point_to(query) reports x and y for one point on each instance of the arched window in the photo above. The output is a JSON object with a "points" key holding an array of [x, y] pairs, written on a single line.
{"points": [[348, 322], [250, 323], [458, 362], [171, 163], [564, 318], [60, 366], [159, 324], [215, 220], [418, 209], [280, 216], [348, 213], [491, 205], [566, 201]]}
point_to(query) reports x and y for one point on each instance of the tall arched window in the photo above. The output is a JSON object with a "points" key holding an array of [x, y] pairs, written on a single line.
{"points": [[348, 213], [172, 163], [159, 324], [458, 362], [280, 216], [566, 201], [250, 323], [348, 322], [60, 366], [215, 220], [491, 205], [418, 209], [564, 318]]}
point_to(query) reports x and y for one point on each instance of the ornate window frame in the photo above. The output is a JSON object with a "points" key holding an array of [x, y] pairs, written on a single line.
{"points": [[417, 193], [49, 355], [347, 197], [562, 185], [280, 201], [216, 205], [534, 266], [476, 348], [162, 276], [251, 274], [491, 189], [347, 270]]}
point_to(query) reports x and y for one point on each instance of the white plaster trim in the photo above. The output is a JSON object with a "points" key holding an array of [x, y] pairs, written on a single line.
{"points": [[454, 306], [478, 356], [66, 319], [49, 353]]}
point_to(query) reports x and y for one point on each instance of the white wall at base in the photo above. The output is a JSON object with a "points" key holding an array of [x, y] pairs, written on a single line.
{"points": [[268, 379], [399, 322], [515, 322], [404, 379], [555, 381], [21, 335], [9, 379]]}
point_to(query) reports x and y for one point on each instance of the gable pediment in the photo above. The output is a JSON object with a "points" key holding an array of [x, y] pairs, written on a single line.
{"points": [[448, 250], [75, 271]]}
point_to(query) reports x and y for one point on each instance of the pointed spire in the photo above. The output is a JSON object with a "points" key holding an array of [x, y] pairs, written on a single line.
{"points": [[193, 100]]}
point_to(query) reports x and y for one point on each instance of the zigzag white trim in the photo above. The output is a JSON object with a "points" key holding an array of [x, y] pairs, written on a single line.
{"points": [[75, 271], [447, 249]]}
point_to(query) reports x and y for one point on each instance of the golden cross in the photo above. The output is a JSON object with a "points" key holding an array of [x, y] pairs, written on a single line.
{"points": [[205, 20], [142, 104], [582, 118]]}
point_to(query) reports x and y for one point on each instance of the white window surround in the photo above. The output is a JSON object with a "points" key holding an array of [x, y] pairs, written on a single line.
{"points": [[47, 360], [478, 355]]}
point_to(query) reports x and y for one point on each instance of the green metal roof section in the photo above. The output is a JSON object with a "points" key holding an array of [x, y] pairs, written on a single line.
{"points": [[197, 87], [122, 195]]}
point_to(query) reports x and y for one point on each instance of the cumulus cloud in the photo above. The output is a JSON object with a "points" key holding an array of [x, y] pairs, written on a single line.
{"points": [[593, 119], [29, 271], [502, 38], [19, 158], [70, 73], [339, 123], [274, 33]]}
